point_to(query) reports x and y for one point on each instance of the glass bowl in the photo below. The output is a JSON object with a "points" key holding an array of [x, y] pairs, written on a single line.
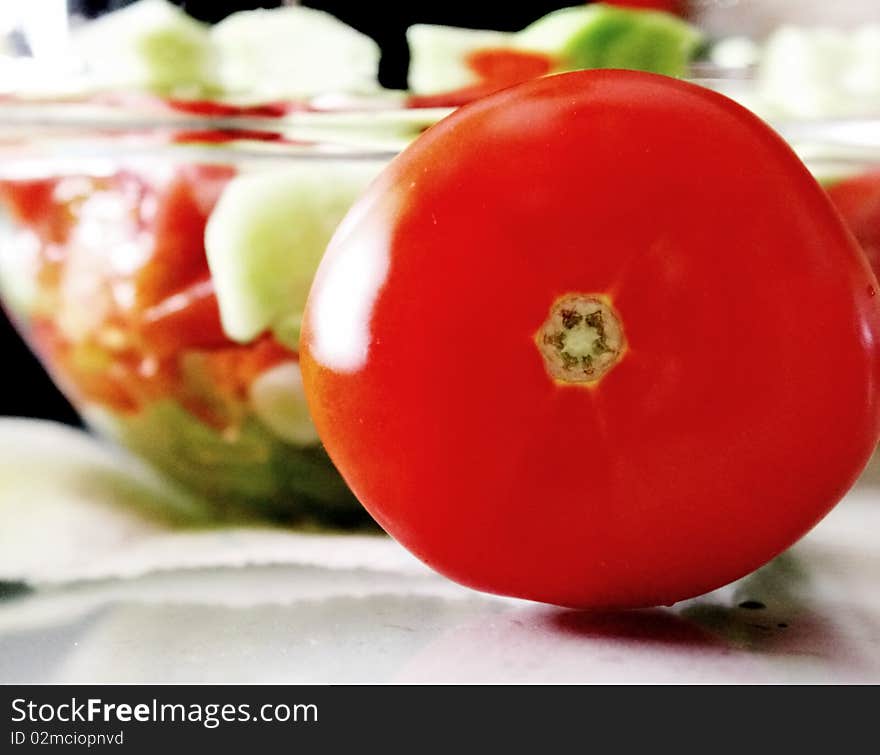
{"points": [[103, 269]]}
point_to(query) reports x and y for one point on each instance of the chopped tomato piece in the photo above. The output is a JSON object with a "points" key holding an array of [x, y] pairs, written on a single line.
{"points": [[188, 319], [32, 203], [178, 259], [508, 67], [858, 201]]}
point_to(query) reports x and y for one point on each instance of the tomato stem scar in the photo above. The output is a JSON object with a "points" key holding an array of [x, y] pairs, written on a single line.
{"points": [[581, 339]]}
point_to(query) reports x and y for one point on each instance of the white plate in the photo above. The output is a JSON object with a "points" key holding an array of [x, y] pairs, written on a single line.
{"points": [[152, 605]]}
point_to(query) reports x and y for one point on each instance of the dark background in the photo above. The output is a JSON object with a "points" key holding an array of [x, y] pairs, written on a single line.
{"points": [[27, 389]]}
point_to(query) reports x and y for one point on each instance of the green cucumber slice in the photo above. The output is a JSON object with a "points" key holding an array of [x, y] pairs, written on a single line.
{"points": [[19, 263], [150, 44], [293, 52], [277, 399], [266, 236], [438, 55], [821, 73], [603, 36]]}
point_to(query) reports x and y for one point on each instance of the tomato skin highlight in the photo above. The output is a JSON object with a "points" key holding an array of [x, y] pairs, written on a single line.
{"points": [[742, 410]]}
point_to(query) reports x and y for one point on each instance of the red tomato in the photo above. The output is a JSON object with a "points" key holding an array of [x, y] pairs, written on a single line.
{"points": [[858, 200], [507, 67], [32, 204], [712, 321], [178, 258], [188, 319]]}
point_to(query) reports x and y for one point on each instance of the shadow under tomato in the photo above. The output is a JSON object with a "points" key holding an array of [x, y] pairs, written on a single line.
{"points": [[536, 644], [652, 626], [747, 614], [768, 627], [776, 611]]}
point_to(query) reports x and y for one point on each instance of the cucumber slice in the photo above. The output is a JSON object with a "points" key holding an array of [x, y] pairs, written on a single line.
{"points": [[19, 265], [150, 44], [278, 401], [821, 73], [293, 52], [266, 236], [554, 32], [438, 55], [602, 36], [735, 52]]}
